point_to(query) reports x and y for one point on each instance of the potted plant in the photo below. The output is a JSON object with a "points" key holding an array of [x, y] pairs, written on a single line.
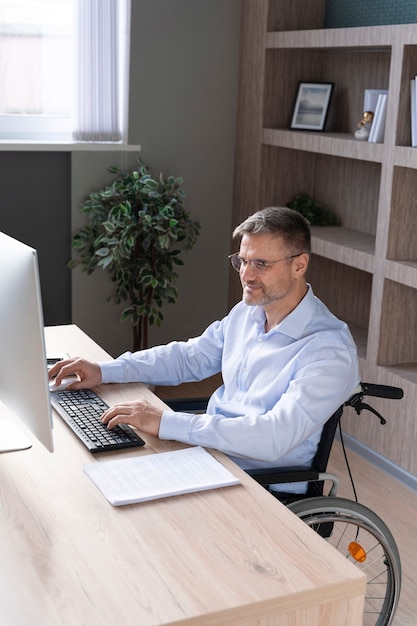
{"points": [[137, 228], [314, 211]]}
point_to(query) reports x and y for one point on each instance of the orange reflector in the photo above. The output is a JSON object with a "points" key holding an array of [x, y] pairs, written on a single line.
{"points": [[357, 552]]}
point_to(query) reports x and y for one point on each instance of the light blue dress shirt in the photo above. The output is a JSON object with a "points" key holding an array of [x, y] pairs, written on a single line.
{"points": [[280, 387]]}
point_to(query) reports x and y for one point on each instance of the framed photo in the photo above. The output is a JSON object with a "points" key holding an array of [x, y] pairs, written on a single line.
{"points": [[311, 106]]}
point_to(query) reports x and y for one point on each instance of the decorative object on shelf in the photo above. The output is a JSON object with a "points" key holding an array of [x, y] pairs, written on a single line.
{"points": [[311, 106], [372, 125], [316, 213], [364, 126], [137, 230]]}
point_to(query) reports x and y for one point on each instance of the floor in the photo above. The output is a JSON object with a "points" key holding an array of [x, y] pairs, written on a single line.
{"points": [[396, 504]]}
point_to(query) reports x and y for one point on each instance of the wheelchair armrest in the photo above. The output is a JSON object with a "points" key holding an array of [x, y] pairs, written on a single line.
{"points": [[188, 405], [269, 476], [281, 475]]}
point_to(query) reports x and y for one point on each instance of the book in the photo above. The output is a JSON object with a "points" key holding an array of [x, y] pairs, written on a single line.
{"points": [[413, 101], [370, 98], [374, 121], [378, 124], [154, 476]]}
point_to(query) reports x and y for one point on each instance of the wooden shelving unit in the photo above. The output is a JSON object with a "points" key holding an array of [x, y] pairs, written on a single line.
{"points": [[365, 270]]}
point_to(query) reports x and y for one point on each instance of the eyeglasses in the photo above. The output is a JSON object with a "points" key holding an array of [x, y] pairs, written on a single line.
{"points": [[257, 266]]}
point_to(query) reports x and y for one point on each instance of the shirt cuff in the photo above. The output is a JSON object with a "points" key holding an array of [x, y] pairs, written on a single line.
{"points": [[111, 372], [175, 426]]}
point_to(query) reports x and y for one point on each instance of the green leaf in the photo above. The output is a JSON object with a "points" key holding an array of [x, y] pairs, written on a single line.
{"points": [[102, 252], [109, 227]]}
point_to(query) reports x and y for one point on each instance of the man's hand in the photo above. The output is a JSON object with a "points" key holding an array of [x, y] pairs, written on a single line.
{"points": [[140, 413], [88, 373]]}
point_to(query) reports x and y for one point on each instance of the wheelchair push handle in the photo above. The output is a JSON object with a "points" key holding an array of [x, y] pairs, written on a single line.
{"points": [[382, 391], [378, 391]]}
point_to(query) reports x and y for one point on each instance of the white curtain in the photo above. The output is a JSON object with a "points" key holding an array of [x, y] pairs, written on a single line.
{"points": [[96, 75]]}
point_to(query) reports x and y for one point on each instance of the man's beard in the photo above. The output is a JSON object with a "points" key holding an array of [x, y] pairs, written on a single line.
{"points": [[262, 296]]}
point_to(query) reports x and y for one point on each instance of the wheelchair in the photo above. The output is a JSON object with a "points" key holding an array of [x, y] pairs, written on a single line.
{"points": [[352, 528]]}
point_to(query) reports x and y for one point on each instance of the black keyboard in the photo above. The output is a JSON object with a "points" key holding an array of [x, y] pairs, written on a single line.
{"points": [[82, 410]]}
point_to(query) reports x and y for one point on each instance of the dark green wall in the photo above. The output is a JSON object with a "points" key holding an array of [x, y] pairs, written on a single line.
{"points": [[35, 208], [346, 13]]}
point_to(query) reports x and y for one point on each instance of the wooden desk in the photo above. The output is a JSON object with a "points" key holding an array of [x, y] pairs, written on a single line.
{"points": [[225, 557]]}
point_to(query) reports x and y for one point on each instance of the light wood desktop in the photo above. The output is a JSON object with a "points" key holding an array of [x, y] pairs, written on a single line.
{"points": [[232, 556]]}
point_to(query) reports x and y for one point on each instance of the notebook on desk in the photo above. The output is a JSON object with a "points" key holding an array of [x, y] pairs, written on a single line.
{"points": [[154, 476]]}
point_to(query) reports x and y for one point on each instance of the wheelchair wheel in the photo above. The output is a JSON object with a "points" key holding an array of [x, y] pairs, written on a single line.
{"points": [[363, 538]]}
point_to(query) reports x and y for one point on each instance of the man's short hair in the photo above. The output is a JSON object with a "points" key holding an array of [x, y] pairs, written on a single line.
{"points": [[282, 222]]}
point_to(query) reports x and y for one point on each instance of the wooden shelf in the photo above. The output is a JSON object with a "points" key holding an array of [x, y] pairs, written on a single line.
{"points": [[366, 270], [360, 335], [398, 341], [331, 281], [405, 157], [404, 272], [369, 38], [352, 247], [406, 371], [334, 144]]}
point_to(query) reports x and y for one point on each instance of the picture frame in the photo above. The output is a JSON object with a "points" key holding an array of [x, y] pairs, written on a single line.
{"points": [[311, 106]]}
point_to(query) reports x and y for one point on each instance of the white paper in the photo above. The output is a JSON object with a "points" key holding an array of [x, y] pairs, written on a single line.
{"points": [[142, 478]]}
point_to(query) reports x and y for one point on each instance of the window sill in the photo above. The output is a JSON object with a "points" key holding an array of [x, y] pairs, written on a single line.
{"points": [[66, 146]]}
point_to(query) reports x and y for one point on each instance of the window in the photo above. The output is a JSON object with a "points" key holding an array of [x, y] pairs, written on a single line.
{"points": [[63, 69]]}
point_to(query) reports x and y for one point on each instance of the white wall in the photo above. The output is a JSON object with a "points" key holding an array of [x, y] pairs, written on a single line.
{"points": [[182, 111]]}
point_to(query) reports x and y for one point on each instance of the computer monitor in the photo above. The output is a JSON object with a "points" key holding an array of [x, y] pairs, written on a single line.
{"points": [[24, 389]]}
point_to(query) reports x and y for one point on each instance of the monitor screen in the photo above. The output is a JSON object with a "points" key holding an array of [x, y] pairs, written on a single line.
{"points": [[24, 387]]}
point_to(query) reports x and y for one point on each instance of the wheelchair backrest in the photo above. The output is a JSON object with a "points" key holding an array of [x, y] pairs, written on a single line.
{"points": [[321, 457]]}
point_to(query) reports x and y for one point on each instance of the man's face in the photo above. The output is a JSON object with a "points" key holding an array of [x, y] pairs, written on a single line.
{"points": [[278, 280]]}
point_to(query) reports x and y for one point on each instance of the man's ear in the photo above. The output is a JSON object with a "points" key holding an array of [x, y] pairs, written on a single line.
{"points": [[301, 264]]}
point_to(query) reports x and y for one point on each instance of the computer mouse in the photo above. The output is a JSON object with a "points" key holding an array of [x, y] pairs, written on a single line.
{"points": [[63, 384]]}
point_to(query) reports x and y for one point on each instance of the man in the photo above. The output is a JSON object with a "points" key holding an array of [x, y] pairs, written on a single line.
{"points": [[287, 362]]}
